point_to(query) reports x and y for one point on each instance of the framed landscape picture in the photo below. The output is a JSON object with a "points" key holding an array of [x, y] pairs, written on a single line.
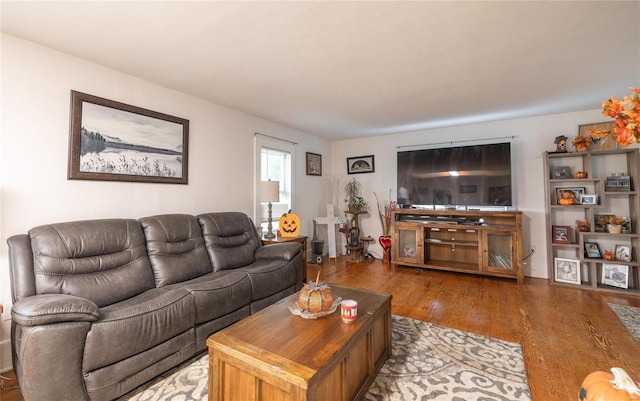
{"points": [[113, 141]]}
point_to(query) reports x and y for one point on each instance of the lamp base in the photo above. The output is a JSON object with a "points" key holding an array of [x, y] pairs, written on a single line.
{"points": [[269, 235]]}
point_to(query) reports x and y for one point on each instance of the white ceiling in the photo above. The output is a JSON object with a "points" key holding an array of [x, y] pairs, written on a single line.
{"points": [[348, 69]]}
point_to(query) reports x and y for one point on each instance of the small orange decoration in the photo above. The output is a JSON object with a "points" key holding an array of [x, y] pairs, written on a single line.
{"points": [[604, 386], [289, 225]]}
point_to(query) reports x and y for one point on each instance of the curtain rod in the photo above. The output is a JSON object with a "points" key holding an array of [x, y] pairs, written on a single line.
{"points": [[278, 139], [454, 142]]}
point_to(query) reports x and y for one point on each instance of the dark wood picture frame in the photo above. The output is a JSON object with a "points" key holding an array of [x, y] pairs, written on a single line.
{"points": [[561, 234], [361, 164], [314, 163], [113, 141]]}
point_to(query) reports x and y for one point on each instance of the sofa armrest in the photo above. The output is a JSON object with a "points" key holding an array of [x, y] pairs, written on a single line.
{"points": [[53, 308], [282, 250]]}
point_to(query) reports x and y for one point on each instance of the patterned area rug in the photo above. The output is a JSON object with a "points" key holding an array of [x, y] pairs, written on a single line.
{"points": [[630, 317], [428, 362]]}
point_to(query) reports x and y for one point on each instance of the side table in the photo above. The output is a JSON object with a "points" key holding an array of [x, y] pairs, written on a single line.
{"points": [[301, 239]]}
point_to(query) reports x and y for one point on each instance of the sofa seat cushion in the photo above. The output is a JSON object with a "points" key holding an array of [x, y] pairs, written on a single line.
{"points": [[269, 277], [138, 324], [217, 294]]}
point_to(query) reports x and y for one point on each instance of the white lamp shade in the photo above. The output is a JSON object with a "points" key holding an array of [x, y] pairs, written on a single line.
{"points": [[269, 191]]}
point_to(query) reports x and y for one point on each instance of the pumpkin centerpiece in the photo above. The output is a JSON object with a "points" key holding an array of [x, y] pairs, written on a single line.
{"points": [[316, 297], [605, 386], [289, 225]]}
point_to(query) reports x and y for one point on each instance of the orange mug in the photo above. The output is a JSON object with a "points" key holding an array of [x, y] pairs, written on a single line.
{"points": [[348, 310]]}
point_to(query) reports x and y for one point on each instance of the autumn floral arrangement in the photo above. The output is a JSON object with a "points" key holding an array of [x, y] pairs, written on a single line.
{"points": [[626, 124], [615, 221], [385, 207]]}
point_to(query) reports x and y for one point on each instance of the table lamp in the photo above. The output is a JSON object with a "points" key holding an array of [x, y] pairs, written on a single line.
{"points": [[269, 192]]}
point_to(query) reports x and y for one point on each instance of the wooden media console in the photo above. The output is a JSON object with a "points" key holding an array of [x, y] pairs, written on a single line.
{"points": [[479, 242]]}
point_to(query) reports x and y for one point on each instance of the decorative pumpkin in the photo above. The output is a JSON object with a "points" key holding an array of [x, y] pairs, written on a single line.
{"points": [[315, 298], [614, 386], [289, 225]]}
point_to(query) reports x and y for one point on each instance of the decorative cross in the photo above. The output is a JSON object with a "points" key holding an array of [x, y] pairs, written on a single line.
{"points": [[330, 221]]}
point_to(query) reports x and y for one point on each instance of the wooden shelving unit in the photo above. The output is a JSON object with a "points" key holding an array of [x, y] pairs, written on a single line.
{"points": [[594, 273]]}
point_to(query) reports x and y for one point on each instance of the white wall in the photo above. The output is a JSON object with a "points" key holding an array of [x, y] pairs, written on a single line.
{"points": [[533, 136], [36, 85]]}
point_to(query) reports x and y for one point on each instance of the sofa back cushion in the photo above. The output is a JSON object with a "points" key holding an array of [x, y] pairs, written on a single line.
{"points": [[231, 239], [104, 261], [176, 248]]}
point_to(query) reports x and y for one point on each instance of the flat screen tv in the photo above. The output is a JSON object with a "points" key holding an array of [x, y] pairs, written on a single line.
{"points": [[462, 177]]}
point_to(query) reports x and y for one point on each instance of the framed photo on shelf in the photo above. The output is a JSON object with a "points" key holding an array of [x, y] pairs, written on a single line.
{"points": [[626, 226], [615, 275], [314, 164], [561, 234], [592, 250], [361, 164], [623, 253], [560, 172], [567, 270], [570, 192], [600, 222], [589, 199]]}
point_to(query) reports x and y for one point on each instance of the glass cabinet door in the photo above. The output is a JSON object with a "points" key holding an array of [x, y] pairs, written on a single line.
{"points": [[498, 251], [410, 243]]}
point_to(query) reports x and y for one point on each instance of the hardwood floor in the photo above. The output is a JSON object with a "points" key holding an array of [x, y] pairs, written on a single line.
{"points": [[565, 333]]}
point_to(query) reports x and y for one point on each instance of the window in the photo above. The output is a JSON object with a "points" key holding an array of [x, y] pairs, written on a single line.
{"points": [[274, 162]]}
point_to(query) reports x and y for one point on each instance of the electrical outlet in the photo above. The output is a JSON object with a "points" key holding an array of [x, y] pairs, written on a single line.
{"points": [[6, 313]]}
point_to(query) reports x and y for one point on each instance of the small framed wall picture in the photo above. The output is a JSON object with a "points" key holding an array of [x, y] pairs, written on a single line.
{"points": [[314, 164], [561, 172], [567, 270], [589, 199], [561, 234], [592, 250], [361, 164], [615, 275], [623, 253]]}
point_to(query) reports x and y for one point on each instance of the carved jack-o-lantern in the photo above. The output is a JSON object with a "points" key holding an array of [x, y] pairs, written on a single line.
{"points": [[289, 225]]}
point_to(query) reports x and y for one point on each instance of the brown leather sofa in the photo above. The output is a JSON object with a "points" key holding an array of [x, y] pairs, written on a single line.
{"points": [[102, 306]]}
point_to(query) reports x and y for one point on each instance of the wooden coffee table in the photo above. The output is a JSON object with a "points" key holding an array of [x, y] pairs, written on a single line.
{"points": [[276, 356]]}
